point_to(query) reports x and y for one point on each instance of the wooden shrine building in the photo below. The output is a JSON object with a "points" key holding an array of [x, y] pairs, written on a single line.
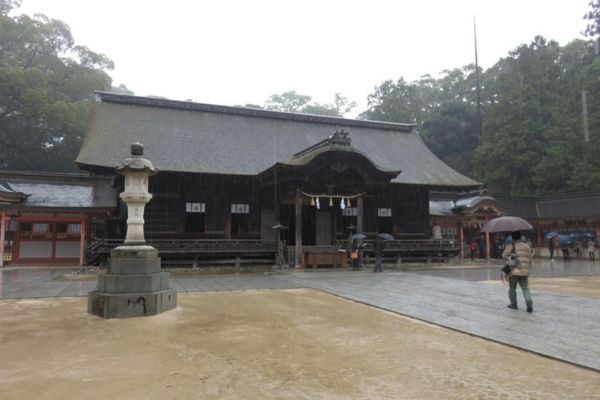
{"points": [[47, 218], [235, 179]]}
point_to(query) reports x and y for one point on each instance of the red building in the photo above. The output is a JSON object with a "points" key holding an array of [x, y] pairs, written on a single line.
{"points": [[47, 218]]}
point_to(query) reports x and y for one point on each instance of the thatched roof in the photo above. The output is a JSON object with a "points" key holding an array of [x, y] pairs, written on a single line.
{"points": [[201, 138]]}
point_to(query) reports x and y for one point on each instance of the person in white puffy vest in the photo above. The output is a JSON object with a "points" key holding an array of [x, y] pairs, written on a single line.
{"points": [[520, 273]]}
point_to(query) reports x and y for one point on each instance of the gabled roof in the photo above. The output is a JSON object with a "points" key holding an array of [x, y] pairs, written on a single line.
{"points": [[449, 207], [10, 195], [469, 204], [51, 190], [442, 208], [340, 143], [201, 138]]}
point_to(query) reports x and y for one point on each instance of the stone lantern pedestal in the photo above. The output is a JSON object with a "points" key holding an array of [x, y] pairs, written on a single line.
{"points": [[134, 284]]}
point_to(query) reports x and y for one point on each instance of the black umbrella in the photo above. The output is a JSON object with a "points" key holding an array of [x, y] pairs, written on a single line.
{"points": [[509, 240], [385, 236]]}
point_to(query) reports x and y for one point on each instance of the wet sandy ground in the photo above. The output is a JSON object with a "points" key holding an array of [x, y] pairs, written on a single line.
{"points": [[584, 286], [270, 344]]}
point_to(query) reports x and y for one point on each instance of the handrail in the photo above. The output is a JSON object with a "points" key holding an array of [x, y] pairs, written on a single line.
{"points": [[99, 248], [162, 245]]}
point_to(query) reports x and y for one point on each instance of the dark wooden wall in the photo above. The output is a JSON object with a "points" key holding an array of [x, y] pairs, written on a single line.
{"points": [[166, 214]]}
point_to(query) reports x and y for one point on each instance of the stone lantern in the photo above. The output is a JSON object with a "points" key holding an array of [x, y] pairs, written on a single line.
{"points": [[136, 171], [134, 284]]}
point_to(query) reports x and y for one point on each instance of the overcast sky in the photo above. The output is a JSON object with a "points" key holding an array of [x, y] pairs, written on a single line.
{"points": [[236, 52]]}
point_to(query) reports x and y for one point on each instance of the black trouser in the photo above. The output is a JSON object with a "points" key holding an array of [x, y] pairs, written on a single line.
{"points": [[566, 256], [551, 252]]}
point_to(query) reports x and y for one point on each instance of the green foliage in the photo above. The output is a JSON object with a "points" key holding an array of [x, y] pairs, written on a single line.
{"points": [[122, 89], [593, 17], [46, 85], [444, 111], [398, 102], [533, 139], [298, 103]]}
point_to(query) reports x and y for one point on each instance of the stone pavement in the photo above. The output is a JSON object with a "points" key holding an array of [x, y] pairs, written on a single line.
{"points": [[561, 327], [542, 268], [36, 283]]}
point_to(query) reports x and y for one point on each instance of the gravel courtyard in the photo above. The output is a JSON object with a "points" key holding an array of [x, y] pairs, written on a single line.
{"points": [[258, 344]]}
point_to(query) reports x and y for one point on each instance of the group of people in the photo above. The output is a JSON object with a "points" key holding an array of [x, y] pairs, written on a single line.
{"points": [[555, 243], [476, 248], [519, 250], [357, 247]]}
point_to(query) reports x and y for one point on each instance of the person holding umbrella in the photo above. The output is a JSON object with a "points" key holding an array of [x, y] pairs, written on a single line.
{"points": [[565, 244], [550, 238], [591, 249], [520, 273], [356, 246], [520, 251], [379, 247]]}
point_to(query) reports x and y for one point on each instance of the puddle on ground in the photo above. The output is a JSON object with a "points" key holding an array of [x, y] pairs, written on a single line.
{"points": [[285, 344]]}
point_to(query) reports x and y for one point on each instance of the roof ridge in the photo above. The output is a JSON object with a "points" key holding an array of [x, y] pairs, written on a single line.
{"points": [[252, 112]]}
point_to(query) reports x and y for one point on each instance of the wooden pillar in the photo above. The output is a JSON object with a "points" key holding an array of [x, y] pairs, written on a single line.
{"points": [[276, 203], [487, 245], [227, 227], [359, 214], [461, 231], [82, 243], [2, 233], [298, 229], [538, 230]]}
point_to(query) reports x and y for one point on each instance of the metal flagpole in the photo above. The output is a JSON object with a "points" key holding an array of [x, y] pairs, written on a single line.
{"points": [[477, 77]]}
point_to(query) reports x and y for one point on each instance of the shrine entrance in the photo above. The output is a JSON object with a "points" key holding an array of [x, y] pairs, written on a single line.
{"points": [[320, 196]]}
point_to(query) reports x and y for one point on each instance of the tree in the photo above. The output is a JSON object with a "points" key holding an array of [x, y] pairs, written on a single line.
{"points": [[287, 102], [293, 102], [443, 110], [451, 133], [397, 102], [592, 29], [46, 85], [533, 141], [122, 89]]}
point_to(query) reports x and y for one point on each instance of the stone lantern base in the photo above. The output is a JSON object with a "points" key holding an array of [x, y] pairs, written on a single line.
{"points": [[133, 285]]}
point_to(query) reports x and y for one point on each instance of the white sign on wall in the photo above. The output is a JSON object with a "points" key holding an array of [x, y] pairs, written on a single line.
{"points": [[384, 212], [195, 207]]}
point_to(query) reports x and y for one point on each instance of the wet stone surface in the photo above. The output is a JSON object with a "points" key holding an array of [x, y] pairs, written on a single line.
{"points": [[542, 267], [563, 326], [264, 344]]}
